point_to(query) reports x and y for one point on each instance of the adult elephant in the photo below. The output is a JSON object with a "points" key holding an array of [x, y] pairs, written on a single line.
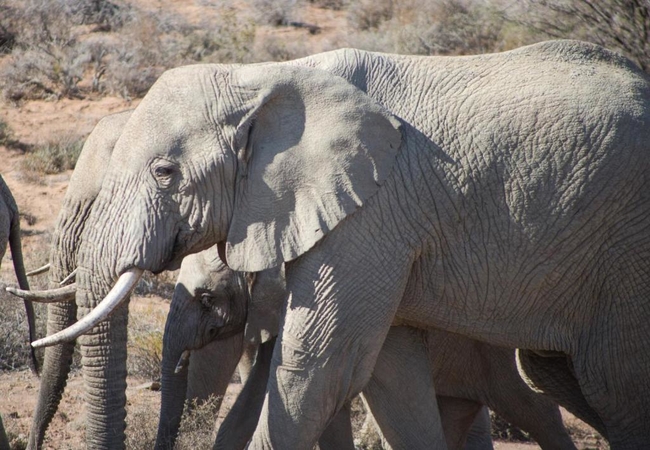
{"points": [[10, 233], [504, 196], [221, 312], [104, 361]]}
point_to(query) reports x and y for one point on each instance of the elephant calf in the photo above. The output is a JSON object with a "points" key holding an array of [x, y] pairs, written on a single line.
{"points": [[223, 313]]}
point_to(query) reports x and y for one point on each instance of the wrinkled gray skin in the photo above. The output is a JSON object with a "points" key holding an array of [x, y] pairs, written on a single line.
{"points": [[83, 189], [504, 197], [10, 233], [211, 299]]}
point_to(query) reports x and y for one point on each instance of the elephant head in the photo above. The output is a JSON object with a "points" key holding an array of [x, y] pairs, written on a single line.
{"points": [[214, 313]]}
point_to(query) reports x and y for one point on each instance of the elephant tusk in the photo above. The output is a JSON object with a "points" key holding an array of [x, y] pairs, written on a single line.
{"points": [[72, 275], [64, 294], [115, 297], [183, 361], [39, 271]]}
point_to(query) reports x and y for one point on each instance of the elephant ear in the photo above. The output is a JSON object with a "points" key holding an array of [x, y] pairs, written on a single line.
{"points": [[268, 290], [312, 149]]}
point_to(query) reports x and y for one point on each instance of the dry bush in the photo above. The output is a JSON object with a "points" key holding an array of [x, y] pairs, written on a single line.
{"points": [[47, 58], [55, 156], [7, 138], [273, 12], [197, 424], [622, 25], [161, 285], [443, 27], [369, 14], [364, 427], [276, 48], [144, 343], [141, 427], [330, 4], [505, 431], [196, 431], [14, 338], [55, 51]]}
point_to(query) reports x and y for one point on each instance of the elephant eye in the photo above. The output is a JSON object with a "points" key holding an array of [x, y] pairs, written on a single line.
{"points": [[163, 172]]}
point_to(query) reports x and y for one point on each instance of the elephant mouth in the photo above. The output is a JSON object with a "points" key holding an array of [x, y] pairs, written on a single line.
{"points": [[222, 334]]}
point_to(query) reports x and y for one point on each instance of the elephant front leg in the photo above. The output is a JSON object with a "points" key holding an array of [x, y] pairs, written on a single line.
{"points": [[340, 308]]}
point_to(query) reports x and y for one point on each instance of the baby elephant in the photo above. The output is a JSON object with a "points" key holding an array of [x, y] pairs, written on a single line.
{"points": [[218, 314]]}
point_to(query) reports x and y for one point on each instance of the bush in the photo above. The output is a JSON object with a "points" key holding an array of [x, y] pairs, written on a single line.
{"points": [[445, 27], [622, 25], [369, 14], [54, 52], [53, 157], [273, 12], [197, 424], [145, 343], [14, 337]]}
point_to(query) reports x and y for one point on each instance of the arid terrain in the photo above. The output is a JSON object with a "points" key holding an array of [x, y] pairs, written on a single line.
{"points": [[106, 66]]}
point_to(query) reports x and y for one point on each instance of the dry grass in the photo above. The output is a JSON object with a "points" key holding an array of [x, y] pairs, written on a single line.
{"points": [[146, 327], [196, 432], [55, 156]]}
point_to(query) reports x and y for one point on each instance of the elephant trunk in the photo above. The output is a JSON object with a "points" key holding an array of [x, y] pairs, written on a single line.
{"points": [[174, 387], [103, 352], [104, 347]]}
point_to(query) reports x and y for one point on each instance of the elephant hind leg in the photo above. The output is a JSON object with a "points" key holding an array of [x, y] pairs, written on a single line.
{"points": [[554, 377], [457, 416]]}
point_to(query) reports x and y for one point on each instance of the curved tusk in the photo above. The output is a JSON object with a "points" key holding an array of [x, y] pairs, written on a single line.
{"points": [[72, 275], [115, 297], [39, 271], [64, 294], [183, 361]]}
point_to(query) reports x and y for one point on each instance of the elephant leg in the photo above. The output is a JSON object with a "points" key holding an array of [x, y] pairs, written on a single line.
{"points": [[613, 375], [56, 368], [239, 425], [479, 436], [338, 434], [551, 376], [338, 313], [513, 400], [4, 441], [400, 393], [246, 362], [103, 353], [457, 416]]}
